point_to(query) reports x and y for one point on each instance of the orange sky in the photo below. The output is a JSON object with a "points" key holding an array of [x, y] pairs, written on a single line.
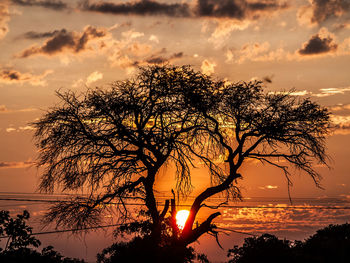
{"points": [[47, 45]]}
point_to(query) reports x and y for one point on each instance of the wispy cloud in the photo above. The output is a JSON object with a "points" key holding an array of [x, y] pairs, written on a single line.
{"points": [[93, 77], [19, 129], [4, 109], [11, 76], [331, 91], [50, 4], [4, 18], [11, 165], [38, 35], [268, 187], [319, 11]]}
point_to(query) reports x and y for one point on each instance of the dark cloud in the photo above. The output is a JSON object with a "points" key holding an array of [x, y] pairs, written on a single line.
{"points": [[208, 8], [325, 9], [11, 76], [162, 60], [37, 35], [221, 8], [143, 7], [50, 4], [268, 79], [63, 39], [318, 45], [234, 8]]}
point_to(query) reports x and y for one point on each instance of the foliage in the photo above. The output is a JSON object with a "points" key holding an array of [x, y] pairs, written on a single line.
{"points": [[143, 248], [17, 231], [114, 141], [328, 245], [19, 239], [265, 248]]}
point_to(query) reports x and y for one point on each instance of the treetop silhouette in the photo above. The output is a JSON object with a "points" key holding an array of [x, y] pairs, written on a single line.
{"points": [[113, 142]]}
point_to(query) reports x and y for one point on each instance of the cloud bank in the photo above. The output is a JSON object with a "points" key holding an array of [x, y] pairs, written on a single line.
{"points": [[238, 9]]}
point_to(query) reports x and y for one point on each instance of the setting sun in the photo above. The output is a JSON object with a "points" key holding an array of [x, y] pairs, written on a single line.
{"points": [[181, 217]]}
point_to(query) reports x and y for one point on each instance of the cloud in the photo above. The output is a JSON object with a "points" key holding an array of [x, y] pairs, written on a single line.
{"points": [[50, 4], [143, 7], [224, 28], [341, 124], [257, 51], [331, 91], [268, 79], [161, 60], [273, 218], [318, 44], [208, 67], [319, 11], [38, 35], [5, 110], [235, 8], [93, 77], [11, 76], [20, 129], [127, 53], [8, 165], [269, 187], [340, 107], [300, 93], [238, 9], [64, 40], [4, 18], [154, 38]]}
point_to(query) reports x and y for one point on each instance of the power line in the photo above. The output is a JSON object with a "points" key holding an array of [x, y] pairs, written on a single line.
{"points": [[238, 232], [295, 207], [67, 230]]}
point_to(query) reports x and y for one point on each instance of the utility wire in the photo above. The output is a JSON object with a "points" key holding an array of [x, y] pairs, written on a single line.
{"points": [[67, 230], [187, 205], [238, 232]]}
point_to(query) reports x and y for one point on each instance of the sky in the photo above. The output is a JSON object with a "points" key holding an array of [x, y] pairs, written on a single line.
{"points": [[51, 45]]}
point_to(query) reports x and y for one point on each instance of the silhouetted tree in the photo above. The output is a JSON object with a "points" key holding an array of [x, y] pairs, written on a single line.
{"points": [[113, 142], [17, 231], [265, 249], [328, 245], [142, 248], [19, 240]]}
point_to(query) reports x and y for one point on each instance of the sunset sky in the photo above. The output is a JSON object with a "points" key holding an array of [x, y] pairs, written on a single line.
{"points": [[50, 45]]}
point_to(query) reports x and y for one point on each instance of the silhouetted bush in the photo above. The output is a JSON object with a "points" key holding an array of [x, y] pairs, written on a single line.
{"points": [[329, 245], [18, 240]]}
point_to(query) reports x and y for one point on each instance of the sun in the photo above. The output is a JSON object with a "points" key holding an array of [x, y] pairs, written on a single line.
{"points": [[181, 217]]}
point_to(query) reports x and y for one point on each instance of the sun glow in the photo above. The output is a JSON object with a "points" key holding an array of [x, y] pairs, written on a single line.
{"points": [[181, 217]]}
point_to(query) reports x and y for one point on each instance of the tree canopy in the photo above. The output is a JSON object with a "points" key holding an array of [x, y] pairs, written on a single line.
{"points": [[113, 142], [329, 244]]}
